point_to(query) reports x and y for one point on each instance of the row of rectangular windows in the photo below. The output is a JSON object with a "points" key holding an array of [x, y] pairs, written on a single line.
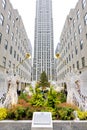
{"points": [[79, 28], [10, 64], [69, 68], [11, 48], [74, 21]]}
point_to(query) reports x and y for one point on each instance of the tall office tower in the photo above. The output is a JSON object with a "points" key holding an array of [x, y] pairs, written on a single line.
{"points": [[43, 44]]}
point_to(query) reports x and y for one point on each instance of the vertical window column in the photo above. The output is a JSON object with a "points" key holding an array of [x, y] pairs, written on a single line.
{"points": [[0, 37]]}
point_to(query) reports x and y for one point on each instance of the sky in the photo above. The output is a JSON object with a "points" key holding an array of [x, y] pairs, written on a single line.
{"points": [[27, 9]]}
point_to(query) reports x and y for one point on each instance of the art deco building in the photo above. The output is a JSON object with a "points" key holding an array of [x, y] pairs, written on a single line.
{"points": [[14, 42], [43, 43], [73, 42]]}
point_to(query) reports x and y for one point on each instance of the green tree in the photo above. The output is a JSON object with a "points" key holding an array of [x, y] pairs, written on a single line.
{"points": [[44, 81]]}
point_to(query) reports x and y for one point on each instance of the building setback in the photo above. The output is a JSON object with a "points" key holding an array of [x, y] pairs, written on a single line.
{"points": [[43, 42], [73, 42], [14, 42]]}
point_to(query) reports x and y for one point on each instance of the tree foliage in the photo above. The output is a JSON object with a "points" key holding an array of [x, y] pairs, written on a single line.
{"points": [[44, 81]]}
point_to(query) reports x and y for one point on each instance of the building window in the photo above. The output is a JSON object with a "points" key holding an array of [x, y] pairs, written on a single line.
{"points": [[19, 47], [83, 61], [68, 45], [4, 4], [73, 66], [85, 19], [4, 61], [1, 19], [0, 37], [81, 44], [86, 35], [66, 49], [14, 54], [79, 29], [6, 44], [9, 64], [69, 58], [77, 64], [9, 15], [76, 50], [83, 3], [7, 29], [12, 36], [17, 57], [11, 50], [78, 14], [72, 54]]}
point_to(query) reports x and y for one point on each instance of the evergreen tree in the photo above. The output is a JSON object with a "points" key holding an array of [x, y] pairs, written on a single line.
{"points": [[44, 81]]}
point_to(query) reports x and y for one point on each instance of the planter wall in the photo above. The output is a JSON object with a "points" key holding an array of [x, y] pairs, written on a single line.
{"points": [[57, 125]]}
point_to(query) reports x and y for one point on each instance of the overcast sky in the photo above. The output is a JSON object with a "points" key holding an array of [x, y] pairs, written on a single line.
{"points": [[27, 8]]}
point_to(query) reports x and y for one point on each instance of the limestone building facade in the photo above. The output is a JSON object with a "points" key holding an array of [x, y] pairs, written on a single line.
{"points": [[73, 43], [14, 42]]}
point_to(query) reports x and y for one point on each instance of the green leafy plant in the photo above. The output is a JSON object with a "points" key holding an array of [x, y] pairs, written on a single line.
{"points": [[24, 96], [66, 113], [82, 115], [49, 101], [52, 99], [37, 100], [3, 113], [62, 97], [16, 112]]}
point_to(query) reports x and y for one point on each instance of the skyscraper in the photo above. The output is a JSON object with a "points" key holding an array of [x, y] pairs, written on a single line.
{"points": [[43, 42]]}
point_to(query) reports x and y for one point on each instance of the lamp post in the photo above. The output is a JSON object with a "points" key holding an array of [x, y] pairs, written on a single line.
{"points": [[11, 71], [27, 55], [57, 55], [68, 72], [19, 85]]}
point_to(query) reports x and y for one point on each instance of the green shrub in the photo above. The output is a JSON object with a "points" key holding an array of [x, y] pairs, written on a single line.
{"points": [[45, 101], [52, 99], [11, 114], [16, 113], [3, 113], [62, 97], [66, 114], [82, 115], [24, 96], [37, 100], [64, 111], [29, 113], [22, 111]]}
